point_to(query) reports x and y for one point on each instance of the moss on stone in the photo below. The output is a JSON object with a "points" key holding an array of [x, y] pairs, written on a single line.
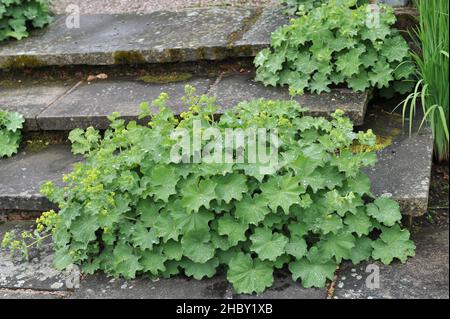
{"points": [[39, 141], [165, 78], [21, 62], [128, 57], [381, 143], [247, 23], [8, 84]]}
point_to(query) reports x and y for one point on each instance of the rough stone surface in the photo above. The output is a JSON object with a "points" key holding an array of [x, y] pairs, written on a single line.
{"points": [[234, 89], [30, 294], [403, 170], [422, 277], [37, 273], [147, 6], [100, 287], [90, 104], [21, 177], [163, 36], [30, 98]]}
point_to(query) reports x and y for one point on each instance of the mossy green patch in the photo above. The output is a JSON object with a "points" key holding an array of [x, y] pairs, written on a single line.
{"points": [[381, 143], [8, 84], [22, 62], [165, 78], [128, 57], [247, 23], [39, 141]]}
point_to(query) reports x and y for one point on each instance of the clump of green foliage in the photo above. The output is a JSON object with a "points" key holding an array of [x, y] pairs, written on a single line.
{"points": [[129, 209], [11, 124], [293, 7], [17, 16], [300, 7], [337, 44], [431, 91]]}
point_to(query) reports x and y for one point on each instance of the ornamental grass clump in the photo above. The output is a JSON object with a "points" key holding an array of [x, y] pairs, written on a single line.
{"points": [[431, 91], [133, 208]]}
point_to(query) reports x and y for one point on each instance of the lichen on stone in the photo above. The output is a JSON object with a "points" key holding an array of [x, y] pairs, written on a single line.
{"points": [[128, 57], [165, 78], [21, 62]]}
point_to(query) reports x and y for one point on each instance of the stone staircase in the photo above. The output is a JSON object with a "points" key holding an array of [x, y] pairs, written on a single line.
{"points": [[144, 55]]}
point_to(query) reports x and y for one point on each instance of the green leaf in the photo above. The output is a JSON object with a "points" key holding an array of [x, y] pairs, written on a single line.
{"points": [[62, 259], [395, 49], [153, 261], [200, 270], [197, 194], [166, 227], [348, 63], [312, 270], [197, 247], [338, 246], [362, 250], [14, 121], [163, 180], [296, 247], [232, 228], [173, 250], [359, 223], [125, 262], [385, 210], [230, 187], [143, 237], [249, 275], [394, 243], [252, 210], [282, 191], [268, 245]]}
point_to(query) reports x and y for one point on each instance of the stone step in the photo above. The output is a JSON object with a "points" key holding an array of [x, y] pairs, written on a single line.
{"points": [[213, 33], [65, 105], [403, 170], [195, 34]]}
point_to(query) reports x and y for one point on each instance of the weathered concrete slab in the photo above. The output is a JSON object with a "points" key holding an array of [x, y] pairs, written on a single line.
{"points": [[30, 98], [260, 31], [31, 294], [21, 177], [36, 274], [189, 35], [234, 89], [422, 277], [404, 166], [90, 104], [101, 287]]}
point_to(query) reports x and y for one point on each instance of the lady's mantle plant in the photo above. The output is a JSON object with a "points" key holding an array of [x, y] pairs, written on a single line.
{"points": [[10, 132], [337, 44], [17, 16], [130, 210]]}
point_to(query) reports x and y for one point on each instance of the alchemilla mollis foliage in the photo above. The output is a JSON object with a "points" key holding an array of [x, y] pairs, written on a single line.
{"points": [[11, 124], [16, 16], [337, 44], [129, 210]]}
